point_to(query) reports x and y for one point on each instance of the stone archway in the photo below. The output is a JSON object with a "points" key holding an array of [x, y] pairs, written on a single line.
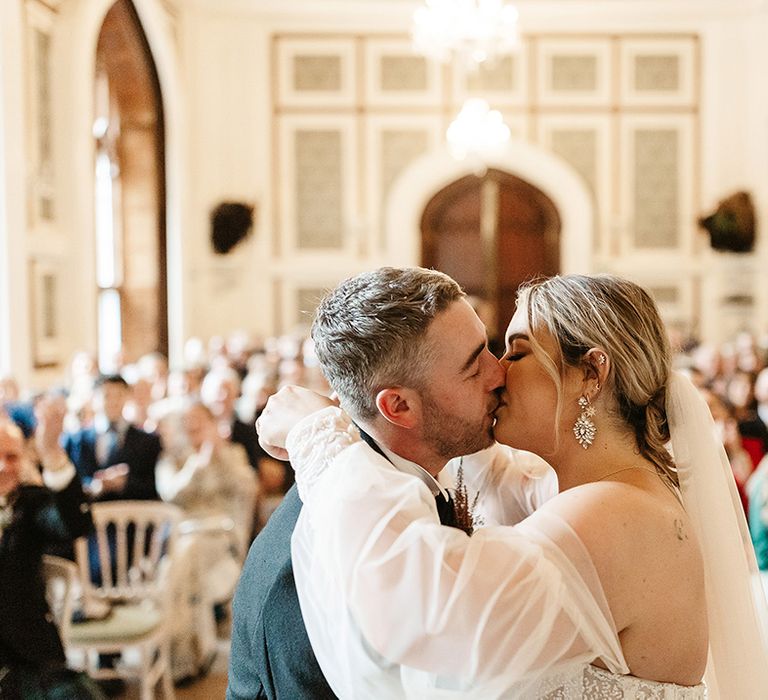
{"points": [[432, 172]]}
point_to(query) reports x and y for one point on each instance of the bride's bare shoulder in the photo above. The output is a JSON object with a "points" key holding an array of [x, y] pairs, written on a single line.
{"points": [[617, 519], [640, 541]]}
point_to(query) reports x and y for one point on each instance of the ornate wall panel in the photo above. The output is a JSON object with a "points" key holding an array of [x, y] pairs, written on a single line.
{"points": [[579, 148], [659, 72], [657, 183], [584, 141], [403, 74], [317, 163], [504, 82], [394, 142], [354, 111], [319, 218], [574, 72], [656, 196], [315, 73], [395, 77]]}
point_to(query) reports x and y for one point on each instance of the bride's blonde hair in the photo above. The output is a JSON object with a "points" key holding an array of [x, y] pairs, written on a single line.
{"points": [[583, 312]]}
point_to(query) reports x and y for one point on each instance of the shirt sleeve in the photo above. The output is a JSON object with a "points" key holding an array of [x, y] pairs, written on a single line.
{"points": [[509, 484], [59, 480], [500, 607]]}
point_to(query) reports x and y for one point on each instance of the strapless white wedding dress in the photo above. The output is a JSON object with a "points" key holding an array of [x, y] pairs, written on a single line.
{"points": [[589, 682]]}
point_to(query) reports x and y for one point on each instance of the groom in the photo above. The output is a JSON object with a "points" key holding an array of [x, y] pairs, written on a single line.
{"points": [[409, 360]]}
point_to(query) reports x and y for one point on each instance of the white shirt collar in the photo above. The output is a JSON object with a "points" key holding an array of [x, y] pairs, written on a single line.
{"points": [[101, 424], [408, 467], [762, 411]]}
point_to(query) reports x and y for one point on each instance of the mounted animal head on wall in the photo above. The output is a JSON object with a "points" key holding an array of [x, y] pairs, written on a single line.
{"points": [[732, 225], [231, 222]]}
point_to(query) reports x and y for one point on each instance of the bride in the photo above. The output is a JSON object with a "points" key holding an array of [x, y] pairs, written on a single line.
{"points": [[631, 582]]}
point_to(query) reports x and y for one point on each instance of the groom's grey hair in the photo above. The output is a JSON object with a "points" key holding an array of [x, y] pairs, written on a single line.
{"points": [[369, 332]]}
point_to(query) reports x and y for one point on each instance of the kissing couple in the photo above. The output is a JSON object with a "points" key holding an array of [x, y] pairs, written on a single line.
{"points": [[623, 569]]}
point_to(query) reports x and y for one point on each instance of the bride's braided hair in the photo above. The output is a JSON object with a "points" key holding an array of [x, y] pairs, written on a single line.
{"points": [[582, 312]]}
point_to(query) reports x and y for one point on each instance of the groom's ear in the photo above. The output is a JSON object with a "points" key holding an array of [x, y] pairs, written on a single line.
{"points": [[397, 405]]}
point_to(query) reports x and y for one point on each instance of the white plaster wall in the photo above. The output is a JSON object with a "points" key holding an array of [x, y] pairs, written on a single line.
{"points": [[227, 64]]}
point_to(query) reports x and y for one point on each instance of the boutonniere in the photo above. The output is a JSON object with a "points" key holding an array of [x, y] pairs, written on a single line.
{"points": [[464, 506]]}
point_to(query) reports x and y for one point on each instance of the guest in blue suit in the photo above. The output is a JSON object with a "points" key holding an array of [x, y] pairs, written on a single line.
{"points": [[114, 460]]}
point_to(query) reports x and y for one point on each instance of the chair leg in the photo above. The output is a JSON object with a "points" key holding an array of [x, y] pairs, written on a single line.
{"points": [[147, 685], [165, 652]]}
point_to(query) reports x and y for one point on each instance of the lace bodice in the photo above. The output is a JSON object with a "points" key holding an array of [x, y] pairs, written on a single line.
{"points": [[589, 682]]}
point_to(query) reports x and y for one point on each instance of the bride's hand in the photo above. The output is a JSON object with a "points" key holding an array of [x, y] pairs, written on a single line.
{"points": [[283, 410]]}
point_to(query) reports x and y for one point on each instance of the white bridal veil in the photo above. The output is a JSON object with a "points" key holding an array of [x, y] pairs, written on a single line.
{"points": [[738, 615]]}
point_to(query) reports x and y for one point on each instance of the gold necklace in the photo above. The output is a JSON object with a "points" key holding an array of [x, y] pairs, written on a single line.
{"points": [[626, 469]]}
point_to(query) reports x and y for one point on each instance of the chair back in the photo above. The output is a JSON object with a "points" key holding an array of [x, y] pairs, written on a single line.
{"points": [[60, 576], [133, 543]]}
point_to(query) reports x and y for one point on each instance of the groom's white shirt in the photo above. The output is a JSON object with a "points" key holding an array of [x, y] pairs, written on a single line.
{"points": [[511, 484], [408, 467]]}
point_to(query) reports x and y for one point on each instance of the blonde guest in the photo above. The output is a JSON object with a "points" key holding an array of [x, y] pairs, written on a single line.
{"points": [[213, 484]]}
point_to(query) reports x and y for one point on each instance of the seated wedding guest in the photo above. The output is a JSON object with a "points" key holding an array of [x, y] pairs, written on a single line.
{"points": [[740, 394], [32, 661], [13, 407], [83, 374], [219, 392], [114, 459], [757, 491], [748, 355], [214, 479], [213, 483], [154, 368], [633, 581], [754, 428], [728, 433], [137, 407], [707, 362]]}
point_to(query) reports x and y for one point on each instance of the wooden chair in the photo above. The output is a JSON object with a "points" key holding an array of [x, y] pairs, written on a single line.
{"points": [[134, 543], [60, 577]]}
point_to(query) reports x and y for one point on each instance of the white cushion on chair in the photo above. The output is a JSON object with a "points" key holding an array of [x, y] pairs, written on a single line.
{"points": [[127, 621]]}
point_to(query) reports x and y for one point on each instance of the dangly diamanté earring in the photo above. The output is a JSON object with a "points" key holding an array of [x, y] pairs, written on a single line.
{"points": [[584, 428]]}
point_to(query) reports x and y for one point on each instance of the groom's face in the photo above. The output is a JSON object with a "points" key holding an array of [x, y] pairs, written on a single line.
{"points": [[461, 384]]}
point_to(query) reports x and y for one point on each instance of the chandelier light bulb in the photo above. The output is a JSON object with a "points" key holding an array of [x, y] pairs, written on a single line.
{"points": [[478, 130]]}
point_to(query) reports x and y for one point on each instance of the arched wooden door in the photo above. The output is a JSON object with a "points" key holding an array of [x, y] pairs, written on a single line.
{"points": [[490, 234]]}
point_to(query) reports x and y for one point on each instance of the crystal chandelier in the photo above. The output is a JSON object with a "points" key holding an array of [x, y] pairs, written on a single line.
{"points": [[478, 131], [473, 31]]}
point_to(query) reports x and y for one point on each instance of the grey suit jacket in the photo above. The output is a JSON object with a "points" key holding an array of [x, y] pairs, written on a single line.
{"points": [[271, 655]]}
